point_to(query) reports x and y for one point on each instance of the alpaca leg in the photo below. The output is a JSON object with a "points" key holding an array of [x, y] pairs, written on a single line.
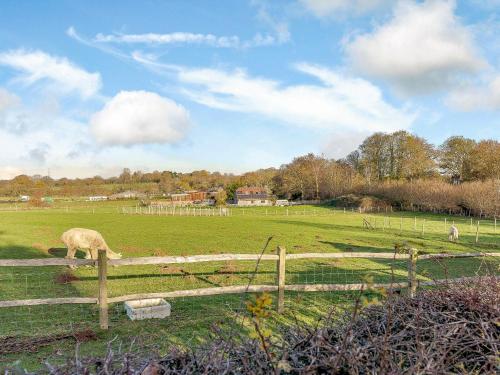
{"points": [[94, 253], [71, 255]]}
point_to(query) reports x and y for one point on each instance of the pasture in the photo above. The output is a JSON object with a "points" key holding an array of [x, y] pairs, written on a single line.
{"points": [[301, 229]]}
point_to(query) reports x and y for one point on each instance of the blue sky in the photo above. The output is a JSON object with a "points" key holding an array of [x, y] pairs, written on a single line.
{"points": [[90, 87]]}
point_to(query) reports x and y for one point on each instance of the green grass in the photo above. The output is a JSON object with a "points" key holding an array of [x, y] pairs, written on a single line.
{"points": [[36, 233]]}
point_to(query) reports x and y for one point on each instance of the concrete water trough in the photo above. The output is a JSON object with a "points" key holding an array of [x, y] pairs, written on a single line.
{"points": [[153, 308]]}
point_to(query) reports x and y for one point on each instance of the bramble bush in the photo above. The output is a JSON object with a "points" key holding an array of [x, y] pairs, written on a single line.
{"points": [[453, 328]]}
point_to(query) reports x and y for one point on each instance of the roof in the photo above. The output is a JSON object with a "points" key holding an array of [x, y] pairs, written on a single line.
{"points": [[251, 193], [251, 190]]}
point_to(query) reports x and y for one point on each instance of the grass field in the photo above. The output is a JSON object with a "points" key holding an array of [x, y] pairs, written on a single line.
{"points": [[36, 233]]}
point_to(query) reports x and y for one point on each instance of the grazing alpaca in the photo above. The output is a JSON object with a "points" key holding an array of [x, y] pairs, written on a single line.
{"points": [[88, 240], [453, 235]]}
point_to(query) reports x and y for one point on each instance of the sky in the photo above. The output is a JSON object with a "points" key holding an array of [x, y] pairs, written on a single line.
{"points": [[91, 87]]}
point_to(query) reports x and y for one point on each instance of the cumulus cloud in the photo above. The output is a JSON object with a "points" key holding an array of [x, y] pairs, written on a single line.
{"points": [[65, 76], [44, 143], [138, 117], [332, 8], [336, 102], [424, 47], [8, 100]]}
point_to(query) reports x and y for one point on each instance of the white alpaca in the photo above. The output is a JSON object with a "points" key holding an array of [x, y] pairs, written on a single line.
{"points": [[88, 240], [453, 235]]}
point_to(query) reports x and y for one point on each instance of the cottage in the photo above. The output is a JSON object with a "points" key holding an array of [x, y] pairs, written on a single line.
{"points": [[252, 196]]}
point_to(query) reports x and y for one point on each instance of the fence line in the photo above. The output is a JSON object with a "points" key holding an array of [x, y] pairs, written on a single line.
{"points": [[102, 263], [224, 257], [384, 223]]}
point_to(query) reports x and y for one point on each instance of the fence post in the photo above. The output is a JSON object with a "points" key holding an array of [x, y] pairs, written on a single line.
{"points": [[412, 273], [281, 278], [477, 232], [102, 264]]}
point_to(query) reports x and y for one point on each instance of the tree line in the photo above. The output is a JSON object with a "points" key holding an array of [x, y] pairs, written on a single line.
{"points": [[401, 167]]}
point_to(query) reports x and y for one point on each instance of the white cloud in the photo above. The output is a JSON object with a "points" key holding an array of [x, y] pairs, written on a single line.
{"points": [[332, 8], [137, 117], [279, 27], [422, 48], [8, 100], [179, 38], [339, 102], [480, 97], [170, 38], [63, 75]]}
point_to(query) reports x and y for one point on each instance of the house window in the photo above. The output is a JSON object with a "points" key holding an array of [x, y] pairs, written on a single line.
{"points": [[262, 201]]}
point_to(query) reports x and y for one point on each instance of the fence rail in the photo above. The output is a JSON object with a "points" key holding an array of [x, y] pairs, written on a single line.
{"points": [[224, 257]]}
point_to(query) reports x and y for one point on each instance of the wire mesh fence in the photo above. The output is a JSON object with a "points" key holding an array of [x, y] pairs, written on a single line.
{"points": [[191, 315]]}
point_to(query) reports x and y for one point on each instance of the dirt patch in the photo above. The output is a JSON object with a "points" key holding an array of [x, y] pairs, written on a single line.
{"points": [[65, 277], [172, 270], [159, 253], [229, 267], [22, 344]]}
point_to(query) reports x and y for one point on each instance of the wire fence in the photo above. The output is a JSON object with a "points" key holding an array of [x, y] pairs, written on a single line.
{"points": [[426, 227], [200, 293]]}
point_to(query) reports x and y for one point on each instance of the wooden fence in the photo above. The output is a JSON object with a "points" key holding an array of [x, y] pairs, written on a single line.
{"points": [[280, 258]]}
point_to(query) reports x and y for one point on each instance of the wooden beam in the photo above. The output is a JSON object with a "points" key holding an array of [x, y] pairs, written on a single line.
{"points": [[46, 262], [189, 259], [346, 255], [459, 255], [412, 272], [103, 289], [340, 287], [281, 278], [228, 290], [198, 292], [220, 257], [47, 301]]}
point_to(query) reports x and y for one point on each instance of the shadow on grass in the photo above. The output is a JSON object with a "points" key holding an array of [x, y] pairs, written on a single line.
{"points": [[61, 252], [20, 252], [353, 248]]}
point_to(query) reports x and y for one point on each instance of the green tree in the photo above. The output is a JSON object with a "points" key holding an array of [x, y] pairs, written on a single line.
{"points": [[455, 158]]}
